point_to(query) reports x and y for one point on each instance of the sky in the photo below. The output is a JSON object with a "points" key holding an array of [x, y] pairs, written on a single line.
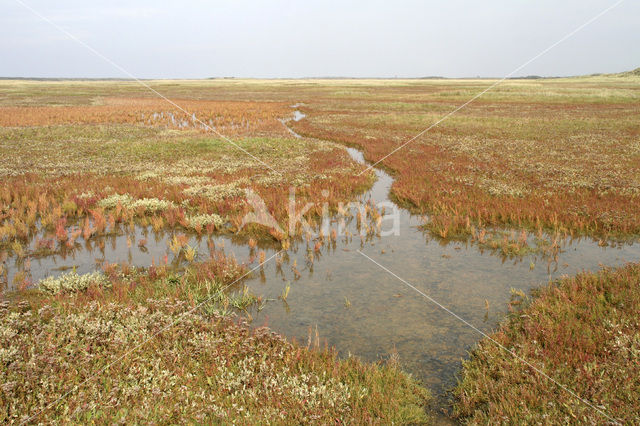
{"points": [[280, 39]]}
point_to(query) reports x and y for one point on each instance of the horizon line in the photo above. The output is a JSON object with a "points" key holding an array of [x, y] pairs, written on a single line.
{"points": [[523, 77]]}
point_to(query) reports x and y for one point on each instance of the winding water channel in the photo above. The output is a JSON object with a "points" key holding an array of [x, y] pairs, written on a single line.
{"points": [[386, 317], [357, 307]]}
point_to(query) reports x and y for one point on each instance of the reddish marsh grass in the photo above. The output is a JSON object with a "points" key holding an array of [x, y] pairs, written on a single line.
{"points": [[563, 163], [581, 331], [229, 117], [72, 171]]}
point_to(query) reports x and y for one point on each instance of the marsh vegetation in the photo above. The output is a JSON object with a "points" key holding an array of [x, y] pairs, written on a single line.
{"points": [[535, 180]]}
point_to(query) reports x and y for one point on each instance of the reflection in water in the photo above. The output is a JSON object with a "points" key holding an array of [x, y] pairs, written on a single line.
{"points": [[356, 306]]}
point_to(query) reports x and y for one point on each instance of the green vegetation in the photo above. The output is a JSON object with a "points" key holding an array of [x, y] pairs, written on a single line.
{"points": [[151, 346], [583, 333]]}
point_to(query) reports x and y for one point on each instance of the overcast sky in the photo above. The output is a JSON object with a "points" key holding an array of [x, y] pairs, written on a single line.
{"points": [[196, 39]]}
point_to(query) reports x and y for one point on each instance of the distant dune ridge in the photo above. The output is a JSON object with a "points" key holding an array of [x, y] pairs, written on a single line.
{"points": [[635, 72]]}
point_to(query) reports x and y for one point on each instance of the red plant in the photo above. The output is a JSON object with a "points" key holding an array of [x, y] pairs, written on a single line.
{"points": [[61, 231]]}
